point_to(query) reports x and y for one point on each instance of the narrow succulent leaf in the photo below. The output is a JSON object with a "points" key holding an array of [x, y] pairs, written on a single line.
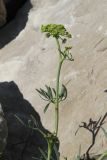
{"points": [[34, 120], [49, 91], [41, 92], [46, 87], [30, 125], [54, 91], [44, 93], [46, 107], [39, 130], [45, 99], [63, 94], [103, 156], [38, 91], [19, 119], [56, 152], [36, 158], [43, 153]]}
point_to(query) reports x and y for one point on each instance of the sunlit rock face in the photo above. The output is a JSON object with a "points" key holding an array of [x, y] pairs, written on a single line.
{"points": [[2, 13], [3, 131], [31, 61]]}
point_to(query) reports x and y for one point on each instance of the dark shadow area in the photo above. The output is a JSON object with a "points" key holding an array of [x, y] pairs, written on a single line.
{"points": [[105, 90], [14, 26], [12, 7], [23, 143]]}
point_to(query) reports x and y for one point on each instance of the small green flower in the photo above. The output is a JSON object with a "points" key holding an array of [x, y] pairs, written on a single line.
{"points": [[67, 48], [55, 30]]}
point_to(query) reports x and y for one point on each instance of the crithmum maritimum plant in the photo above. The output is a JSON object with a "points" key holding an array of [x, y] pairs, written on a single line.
{"points": [[56, 95]]}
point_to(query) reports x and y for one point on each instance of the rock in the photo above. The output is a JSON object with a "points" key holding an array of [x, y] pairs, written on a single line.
{"points": [[24, 61], [3, 131], [22, 142], [8, 10], [12, 29], [2, 13], [12, 7]]}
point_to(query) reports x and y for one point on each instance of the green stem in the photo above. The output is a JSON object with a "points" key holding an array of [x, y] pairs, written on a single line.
{"points": [[59, 48], [57, 99], [49, 150], [57, 89], [50, 145]]}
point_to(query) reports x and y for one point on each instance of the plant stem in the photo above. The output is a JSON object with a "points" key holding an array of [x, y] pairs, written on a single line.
{"points": [[57, 99], [50, 145], [59, 48], [49, 150], [57, 89]]}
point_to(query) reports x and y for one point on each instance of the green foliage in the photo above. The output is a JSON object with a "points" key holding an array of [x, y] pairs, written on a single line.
{"points": [[67, 54], [50, 95], [103, 156], [63, 93], [56, 95], [44, 154], [19, 120]]}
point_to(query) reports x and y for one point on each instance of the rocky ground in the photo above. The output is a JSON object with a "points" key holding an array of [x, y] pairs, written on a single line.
{"points": [[29, 59]]}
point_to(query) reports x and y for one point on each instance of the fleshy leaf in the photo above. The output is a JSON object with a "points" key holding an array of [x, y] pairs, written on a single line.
{"points": [[46, 107]]}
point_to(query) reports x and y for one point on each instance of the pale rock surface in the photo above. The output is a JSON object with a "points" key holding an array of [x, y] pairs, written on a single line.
{"points": [[30, 60]]}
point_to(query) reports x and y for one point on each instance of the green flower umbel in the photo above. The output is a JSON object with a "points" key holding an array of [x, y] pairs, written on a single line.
{"points": [[55, 30]]}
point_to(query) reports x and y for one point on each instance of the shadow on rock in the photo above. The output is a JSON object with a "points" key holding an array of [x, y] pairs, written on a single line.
{"points": [[22, 143], [14, 27]]}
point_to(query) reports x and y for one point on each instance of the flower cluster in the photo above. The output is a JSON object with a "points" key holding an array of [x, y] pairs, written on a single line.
{"points": [[55, 30]]}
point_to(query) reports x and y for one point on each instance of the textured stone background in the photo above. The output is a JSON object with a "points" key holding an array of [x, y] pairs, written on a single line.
{"points": [[29, 59]]}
